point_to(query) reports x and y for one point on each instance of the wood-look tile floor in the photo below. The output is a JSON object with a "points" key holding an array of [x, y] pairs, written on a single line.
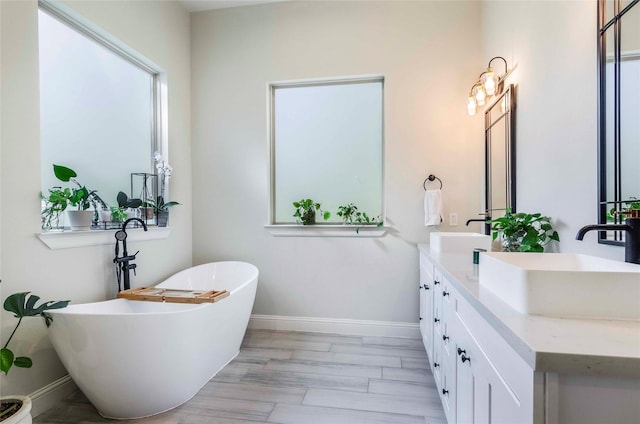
{"points": [[302, 378]]}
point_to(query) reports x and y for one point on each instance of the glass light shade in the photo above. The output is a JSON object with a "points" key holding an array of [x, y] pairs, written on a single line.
{"points": [[471, 105], [489, 82], [479, 94]]}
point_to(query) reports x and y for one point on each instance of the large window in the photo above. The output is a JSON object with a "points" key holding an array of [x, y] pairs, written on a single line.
{"points": [[327, 145], [98, 107]]}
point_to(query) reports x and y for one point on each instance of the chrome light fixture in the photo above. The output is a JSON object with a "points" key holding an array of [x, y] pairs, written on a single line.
{"points": [[488, 84]]}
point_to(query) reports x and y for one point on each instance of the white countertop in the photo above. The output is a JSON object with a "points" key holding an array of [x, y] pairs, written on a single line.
{"points": [[563, 345]]}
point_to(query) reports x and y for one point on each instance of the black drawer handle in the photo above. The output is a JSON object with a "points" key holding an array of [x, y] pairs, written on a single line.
{"points": [[436, 320], [445, 337], [445, 391], [436, 365], [444, 293], [420, 318], [436, 282], [461, 351], [426, 287], [465, 359]]}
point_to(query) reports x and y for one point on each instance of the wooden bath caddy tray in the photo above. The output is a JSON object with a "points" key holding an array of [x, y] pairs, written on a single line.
{"points": [[173, 295]]}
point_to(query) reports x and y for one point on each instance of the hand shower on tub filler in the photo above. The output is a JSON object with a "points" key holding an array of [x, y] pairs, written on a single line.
{"points": [[123, 265]]}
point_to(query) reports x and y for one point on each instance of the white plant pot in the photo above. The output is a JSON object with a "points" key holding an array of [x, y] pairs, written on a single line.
{"points": [[23, 416], [80, 220], [105, 215]]}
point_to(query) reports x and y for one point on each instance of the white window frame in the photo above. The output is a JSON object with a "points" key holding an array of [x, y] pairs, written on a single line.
{"points": [[159, 123], [321, 230]]}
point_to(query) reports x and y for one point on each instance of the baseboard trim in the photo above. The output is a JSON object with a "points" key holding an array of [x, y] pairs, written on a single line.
{"points": [[51, 395], [350, 327]]}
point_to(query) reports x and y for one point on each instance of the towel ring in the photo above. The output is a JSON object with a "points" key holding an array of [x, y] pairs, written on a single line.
{"points": [[431, 177]]}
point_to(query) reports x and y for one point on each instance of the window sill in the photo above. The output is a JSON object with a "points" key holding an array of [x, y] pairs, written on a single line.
{"points": [[69, 239], [295, 230]]}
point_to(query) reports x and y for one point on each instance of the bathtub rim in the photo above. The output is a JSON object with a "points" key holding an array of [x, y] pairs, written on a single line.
{"points": [[184, 307]]}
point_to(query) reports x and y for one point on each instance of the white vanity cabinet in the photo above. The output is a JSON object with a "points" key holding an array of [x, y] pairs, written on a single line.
{"points": [[472, 387], [493, 364]]}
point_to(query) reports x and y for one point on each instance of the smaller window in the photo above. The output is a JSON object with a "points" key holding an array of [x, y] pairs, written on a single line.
{"points": [[327, 145]]}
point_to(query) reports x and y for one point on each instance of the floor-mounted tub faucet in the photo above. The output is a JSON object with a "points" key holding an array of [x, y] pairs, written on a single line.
{"points": [[123, 265], [631, 239]]}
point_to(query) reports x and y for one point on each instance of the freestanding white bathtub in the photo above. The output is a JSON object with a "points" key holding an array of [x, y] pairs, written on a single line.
{"points": [[133, 358]]}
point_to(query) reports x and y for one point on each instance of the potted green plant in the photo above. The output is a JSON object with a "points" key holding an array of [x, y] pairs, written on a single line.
{"points": [[161, 210], [125, 206], [524, 232], [631, 210], [351, 215], [53, 208], [79, 197], [305, 212], [16, 409]]}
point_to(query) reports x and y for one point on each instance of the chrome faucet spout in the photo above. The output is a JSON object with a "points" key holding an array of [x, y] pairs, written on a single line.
{"points": [[631, 241]]}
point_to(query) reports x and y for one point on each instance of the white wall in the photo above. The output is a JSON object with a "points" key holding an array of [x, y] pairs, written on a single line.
{"points": [[429, 54], [160, 31], [552, 44]]}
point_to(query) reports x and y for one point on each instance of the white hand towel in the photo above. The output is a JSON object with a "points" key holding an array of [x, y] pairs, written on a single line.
{"points": [[432, 207]]}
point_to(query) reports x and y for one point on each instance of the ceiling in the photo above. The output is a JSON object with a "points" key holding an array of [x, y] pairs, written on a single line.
{"points": [[200, 5]]}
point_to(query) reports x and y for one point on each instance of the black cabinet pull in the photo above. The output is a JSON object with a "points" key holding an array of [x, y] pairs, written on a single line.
{"points": [[420, 318], [426, 287], [445, 337], [465, 359], [420, 287], [436, 282], [436, 365], [445, 391], [436, 320], [461, 351], [444, 293]]}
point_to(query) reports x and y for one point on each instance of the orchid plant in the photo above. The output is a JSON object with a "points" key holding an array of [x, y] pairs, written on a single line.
{"points": [[164, 171]]}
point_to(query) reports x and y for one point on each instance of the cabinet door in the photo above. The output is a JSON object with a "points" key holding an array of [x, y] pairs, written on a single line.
{"points": [[483, 397], [426, 304], [465, 389]]}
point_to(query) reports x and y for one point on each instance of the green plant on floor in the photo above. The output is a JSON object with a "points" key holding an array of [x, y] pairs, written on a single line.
{"points": [[305, 212], [524, 232], [24, 305]]}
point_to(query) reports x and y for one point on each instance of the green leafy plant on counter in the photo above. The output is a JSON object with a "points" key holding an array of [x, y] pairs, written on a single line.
{"points": [[524, 232]]}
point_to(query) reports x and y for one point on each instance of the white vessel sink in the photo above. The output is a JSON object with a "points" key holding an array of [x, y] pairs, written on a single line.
{"points": [[563, 284], [450, 242]]}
